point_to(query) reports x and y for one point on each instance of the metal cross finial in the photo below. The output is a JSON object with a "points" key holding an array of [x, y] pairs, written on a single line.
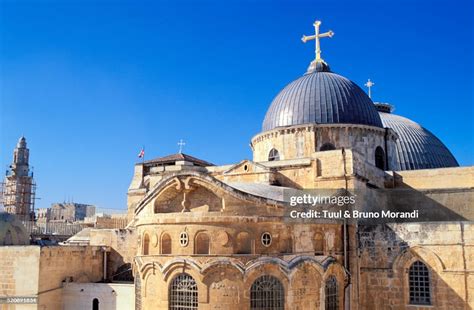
{"points": [[316, 38], [181, 144], [369, 85]]}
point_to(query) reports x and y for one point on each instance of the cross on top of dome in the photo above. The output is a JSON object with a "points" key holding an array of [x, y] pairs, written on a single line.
{"points": [[318, 64]]}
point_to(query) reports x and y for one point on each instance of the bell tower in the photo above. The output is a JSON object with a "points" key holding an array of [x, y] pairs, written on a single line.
{"points": [[18, 188]]}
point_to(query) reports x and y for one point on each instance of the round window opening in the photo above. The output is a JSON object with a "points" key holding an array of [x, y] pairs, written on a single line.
{"points": [[246, 168], [266, 239], [183, 238]]}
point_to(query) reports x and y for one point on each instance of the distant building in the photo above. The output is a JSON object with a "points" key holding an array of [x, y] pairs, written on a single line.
{"points": [[70, 211], [102, 220], [43, 214], [18, 189]]}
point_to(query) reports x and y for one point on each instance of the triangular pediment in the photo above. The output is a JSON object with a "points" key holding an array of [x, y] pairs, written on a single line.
{"points": [[247, 166], [197, 192]]}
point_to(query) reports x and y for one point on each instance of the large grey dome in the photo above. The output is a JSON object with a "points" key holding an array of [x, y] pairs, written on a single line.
{"points": [[417, 147], [321, 97]]}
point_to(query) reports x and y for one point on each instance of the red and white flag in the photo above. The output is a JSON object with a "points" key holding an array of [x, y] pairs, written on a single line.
{"points": [[141, 154]]}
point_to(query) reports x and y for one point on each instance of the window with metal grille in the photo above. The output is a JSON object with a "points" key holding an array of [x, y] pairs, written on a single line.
{"points": [[419, 281], [267, 293], [183, 294], [273, 155], [332, 300]]}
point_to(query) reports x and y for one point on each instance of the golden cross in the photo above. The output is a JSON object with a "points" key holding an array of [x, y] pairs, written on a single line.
{"points": [[316, 37]]}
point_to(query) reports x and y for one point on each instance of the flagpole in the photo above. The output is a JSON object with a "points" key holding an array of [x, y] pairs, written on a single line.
{"points": [[142, 153]]}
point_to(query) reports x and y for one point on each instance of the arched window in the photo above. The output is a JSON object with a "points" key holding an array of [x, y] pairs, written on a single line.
{"points": [[420, 286], [146, 244], [273, 155], [380, 158], [332, 300], [318, 244], [327, 147], [267, 293], [244, 243], [183, 293], [201, 243], [165, 244], [95, 304]]}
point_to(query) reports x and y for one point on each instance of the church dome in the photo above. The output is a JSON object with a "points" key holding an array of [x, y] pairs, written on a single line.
{"points": [[321, 97], [417, 147]]}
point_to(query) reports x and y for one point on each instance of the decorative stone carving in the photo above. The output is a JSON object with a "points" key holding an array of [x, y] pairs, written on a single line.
{"points": [[154, 240], [222, 238]]}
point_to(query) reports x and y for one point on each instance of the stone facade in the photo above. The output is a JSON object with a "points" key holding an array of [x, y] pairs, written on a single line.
{"points": [[386, 253], [70, 211], [224, 229], [302, 141], [209, 222], [34, 271]]}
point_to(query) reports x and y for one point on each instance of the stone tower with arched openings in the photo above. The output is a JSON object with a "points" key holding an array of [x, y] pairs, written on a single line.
{"points": [[18, 188]]}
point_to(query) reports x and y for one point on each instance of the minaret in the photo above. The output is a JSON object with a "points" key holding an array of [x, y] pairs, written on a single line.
{"points": [[18, 189]]}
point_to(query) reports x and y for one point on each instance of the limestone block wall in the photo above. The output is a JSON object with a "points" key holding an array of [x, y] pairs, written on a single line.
{"points": [[19, 273], [387, 252], [236, 238], [60, 264], [41, 271], [458, 177], [293, 142], [225, 283], [122, 244], [136, 190], [302, 141]]}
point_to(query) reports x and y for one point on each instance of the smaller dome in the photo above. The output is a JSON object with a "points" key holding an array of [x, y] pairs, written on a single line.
{"points": [[12, 231], [417, 147]]}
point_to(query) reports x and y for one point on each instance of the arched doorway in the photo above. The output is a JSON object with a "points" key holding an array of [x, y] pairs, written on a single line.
{"points": [[95, 304]]}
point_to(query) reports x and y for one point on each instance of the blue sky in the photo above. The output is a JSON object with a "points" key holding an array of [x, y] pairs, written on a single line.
{"points": [[89, 82]]}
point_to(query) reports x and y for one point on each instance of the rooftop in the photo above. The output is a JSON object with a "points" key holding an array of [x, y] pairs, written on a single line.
{"points": [[172, 159]]}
